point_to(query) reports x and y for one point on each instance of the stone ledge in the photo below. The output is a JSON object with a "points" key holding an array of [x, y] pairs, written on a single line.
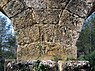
{"points": [[52, 65]]}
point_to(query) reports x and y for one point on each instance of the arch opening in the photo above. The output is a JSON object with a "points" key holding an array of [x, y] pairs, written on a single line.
{"points": [[86, 41], [7, 38]]}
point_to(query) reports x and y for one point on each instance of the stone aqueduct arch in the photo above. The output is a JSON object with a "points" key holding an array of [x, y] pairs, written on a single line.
{"points": [[46, 29]]}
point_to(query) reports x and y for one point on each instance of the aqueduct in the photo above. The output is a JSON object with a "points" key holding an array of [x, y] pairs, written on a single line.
{"points": [[46, 28]]}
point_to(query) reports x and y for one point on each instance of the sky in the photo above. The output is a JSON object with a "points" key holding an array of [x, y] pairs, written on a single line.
{"points": [[87, 21], [6, 30], [8, 23]]}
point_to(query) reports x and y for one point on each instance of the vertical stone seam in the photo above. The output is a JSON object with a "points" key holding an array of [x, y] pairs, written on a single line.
{"points": [[39, 33], [68, 4]]}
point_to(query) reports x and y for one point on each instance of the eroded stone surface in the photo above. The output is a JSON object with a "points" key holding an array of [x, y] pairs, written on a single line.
{"points": [[49, 65], [28, 35], [78, 7], [74, 66], [23, 20], [57, 4], [36, 4], [13, 7], [47, 16], [71, 26], [55, 24], [42, 51], [46, 4]]}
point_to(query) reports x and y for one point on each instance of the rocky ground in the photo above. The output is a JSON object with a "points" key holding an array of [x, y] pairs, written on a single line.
{"points": [[36, 65]]}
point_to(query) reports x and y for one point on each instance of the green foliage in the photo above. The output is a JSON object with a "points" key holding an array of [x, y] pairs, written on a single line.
{"points": [[83, 42], [91, 58], [40, 67], [41, 49], [7, 38], [9, 54], [86, 42]]}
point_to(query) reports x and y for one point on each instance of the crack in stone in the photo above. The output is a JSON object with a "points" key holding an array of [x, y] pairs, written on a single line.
{"points": [[24, 8], [18, 13], [25, 27], [23, 3], [64, 9]]}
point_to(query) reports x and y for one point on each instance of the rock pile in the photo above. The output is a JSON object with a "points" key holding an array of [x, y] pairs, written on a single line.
{"points": [[49, 65], [77, 66]]}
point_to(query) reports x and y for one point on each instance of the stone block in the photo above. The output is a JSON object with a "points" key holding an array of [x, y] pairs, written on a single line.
{"points": [[13, 8], [28, 35], [52, 16], [47, 32], [39, 15], [48, 65], [77, 66], [70, 20], [52, 33], [78, 7], [56, 4], [33, 65], [41, 51], [74, 65], [23, 20], [72, 25], [47, 16], [36, 4], [46, 4]]}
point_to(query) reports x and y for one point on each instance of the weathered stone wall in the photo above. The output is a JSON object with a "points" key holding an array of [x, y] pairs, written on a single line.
{"points": [[46, 29]]}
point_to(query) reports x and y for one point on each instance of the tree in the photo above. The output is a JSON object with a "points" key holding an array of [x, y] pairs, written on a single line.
{"points": [[7, 37], [86, 42], [86, 39]]}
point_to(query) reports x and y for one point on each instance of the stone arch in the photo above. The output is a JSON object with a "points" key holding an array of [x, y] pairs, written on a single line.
{"points": [[54, 25]]}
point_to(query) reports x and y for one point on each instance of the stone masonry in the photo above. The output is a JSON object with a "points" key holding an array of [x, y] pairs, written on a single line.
{"points": [[46, 29], [36, 65]]}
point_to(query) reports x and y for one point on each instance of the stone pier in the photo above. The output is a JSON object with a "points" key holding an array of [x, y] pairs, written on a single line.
{"points": [[46, 29]]}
